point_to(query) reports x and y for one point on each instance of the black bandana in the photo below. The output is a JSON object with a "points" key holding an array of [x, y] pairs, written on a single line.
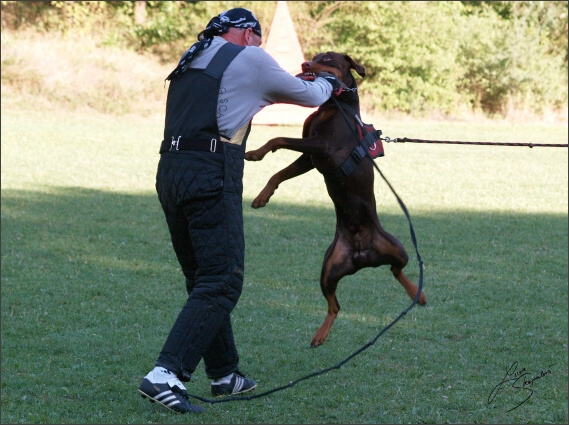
{"points": [[233, 18]]}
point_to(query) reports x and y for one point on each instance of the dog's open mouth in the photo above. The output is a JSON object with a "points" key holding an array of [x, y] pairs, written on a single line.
{"points": [[308, 76]]}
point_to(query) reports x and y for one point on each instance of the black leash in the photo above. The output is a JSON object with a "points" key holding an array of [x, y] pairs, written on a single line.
{"points": [[369, 344], [453, 142]]}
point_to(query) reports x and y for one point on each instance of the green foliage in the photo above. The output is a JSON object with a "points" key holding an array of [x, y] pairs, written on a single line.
{"points": [[66, 17], [171, 27], [436, 56], [420, 57], [546, 18], [508, 61], [401, 72], [503, 64]]}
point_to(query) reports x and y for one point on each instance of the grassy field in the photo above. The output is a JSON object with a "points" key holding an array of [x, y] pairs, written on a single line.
{"points": [[90, 285]]}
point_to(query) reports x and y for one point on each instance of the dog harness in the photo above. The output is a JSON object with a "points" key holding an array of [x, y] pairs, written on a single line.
{"points": [[370, 143]]}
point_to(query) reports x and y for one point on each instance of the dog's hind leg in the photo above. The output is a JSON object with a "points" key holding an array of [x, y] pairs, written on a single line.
{"points": [[337, 264], [409, 286], [392, 252], [302, 165]]}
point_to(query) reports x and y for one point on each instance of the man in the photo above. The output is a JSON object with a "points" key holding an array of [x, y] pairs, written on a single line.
{"points": [[212, 99]]}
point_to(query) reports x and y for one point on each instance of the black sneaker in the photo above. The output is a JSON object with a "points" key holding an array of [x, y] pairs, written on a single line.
{"points": [[172, 395], [236, 383]]}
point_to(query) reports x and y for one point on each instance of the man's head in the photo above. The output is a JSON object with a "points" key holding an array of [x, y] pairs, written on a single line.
{"points": [[239, 26], [238, 17]]}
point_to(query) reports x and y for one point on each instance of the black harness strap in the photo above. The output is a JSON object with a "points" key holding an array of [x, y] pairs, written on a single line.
{"points": [[191, 122], [350, 164], [222, 59], [360, 151]]}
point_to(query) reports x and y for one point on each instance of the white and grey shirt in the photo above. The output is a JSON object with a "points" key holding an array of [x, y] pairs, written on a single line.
{"points": [[254, 80]]}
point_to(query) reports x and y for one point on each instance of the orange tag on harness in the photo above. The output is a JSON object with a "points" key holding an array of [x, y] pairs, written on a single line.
{"points": [[371, 140]]}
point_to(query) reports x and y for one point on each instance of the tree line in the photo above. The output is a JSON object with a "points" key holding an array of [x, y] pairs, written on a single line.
{"points": [[419, 56]]}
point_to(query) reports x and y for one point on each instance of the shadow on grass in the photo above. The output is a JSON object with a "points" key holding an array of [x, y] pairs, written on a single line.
{"points": [[101, 243], [90, 285]]}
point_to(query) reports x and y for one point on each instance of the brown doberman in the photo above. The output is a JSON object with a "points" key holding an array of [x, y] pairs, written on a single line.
{"points": [[328, 143]]}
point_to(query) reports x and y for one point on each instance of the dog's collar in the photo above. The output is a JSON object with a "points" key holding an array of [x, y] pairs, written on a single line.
{"points": [[349, 94]]}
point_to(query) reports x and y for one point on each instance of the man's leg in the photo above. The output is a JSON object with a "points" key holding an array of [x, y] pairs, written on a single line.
{"points": [[218, 283], [222, 357]]}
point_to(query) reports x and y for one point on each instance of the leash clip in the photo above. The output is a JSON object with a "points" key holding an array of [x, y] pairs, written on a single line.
{"points": [[175, 143]]}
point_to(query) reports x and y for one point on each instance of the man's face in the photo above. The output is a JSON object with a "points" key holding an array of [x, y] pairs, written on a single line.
{"points": [[252, 39]]}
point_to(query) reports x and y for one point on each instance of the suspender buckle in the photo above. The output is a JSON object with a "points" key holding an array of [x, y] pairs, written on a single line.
{"points": [[175, 143]]}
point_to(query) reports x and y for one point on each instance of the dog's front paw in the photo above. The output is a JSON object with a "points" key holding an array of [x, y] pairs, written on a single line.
{"points": [[316, 343], [318, 338], [254, 155], [261, 200], [257, 204]]}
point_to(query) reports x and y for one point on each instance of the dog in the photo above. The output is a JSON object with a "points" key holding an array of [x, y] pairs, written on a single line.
{"points": [[328, 144]]}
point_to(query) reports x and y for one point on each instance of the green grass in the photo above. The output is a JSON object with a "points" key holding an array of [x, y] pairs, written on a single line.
{"points": [[90, 285]]}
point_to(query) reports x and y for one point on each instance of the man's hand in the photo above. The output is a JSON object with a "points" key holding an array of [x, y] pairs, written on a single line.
{"points": [[337, 85]]}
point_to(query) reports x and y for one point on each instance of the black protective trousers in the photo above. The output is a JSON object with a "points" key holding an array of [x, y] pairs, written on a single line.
{"points": [[201, 195]]}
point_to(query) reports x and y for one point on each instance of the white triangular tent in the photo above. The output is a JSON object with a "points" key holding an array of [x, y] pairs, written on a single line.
{"points": [[282, 44]]}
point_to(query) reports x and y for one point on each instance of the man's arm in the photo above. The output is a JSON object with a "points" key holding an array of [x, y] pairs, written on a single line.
{"points": [[278, 86]]}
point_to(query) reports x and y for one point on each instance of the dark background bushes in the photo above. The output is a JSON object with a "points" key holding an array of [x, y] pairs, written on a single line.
{"points": [[420, 57]]}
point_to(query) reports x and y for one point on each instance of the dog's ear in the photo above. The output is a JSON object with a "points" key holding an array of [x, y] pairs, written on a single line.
{"points": [[356, 66]]}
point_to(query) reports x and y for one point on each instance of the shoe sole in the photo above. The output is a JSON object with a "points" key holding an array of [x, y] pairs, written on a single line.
{"points": [[153, 400]]}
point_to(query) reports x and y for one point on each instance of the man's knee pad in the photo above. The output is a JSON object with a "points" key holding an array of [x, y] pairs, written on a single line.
{"points": [[233, 289]]}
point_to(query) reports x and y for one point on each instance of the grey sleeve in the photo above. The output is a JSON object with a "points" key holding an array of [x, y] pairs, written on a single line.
{"points": [[278, 86], [255, 80]]}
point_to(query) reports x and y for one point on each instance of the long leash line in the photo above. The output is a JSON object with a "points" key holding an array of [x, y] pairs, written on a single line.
{"points": [[366, 346], [454, 142], [414, 240]]}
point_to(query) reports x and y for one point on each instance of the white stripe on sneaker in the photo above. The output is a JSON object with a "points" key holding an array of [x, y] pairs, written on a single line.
{"points": [[167, 398], [238, 384]]}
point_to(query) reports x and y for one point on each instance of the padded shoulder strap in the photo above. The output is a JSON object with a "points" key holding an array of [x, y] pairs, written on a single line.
{"points": [[222, 59]]}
